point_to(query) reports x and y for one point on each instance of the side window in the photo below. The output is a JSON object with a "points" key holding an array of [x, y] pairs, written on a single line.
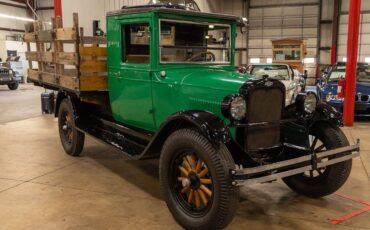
{"points": [[136, 43]]}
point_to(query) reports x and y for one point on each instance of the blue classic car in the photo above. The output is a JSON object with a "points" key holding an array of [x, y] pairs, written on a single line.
{"points": [[328, 85]]}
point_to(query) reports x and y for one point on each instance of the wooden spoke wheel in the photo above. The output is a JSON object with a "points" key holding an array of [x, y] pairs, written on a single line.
{"points": [[67, 126], [71, 138], [194, 181]]}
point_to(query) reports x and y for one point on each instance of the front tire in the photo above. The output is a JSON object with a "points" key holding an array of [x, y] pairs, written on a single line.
{"points": [[195, 181], [72, 139], [325, 181], [13, 86]]}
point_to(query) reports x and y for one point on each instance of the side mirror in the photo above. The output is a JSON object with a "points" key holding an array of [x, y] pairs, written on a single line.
{"points": [[242, 69]]}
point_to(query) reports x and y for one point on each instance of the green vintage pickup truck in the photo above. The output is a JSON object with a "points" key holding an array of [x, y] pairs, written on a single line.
{"points": [[174, 94]]}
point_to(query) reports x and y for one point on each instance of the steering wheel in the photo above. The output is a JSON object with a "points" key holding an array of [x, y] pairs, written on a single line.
{"points": [[210, 57]]}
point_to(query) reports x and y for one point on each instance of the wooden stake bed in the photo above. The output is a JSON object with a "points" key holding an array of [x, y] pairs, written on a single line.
{"points": [[81, 69]]}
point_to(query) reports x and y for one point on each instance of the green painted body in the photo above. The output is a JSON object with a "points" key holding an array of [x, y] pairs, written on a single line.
{"points": [[140, 97]]}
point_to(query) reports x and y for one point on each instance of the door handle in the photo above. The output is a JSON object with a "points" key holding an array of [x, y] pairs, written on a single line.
{"points": [[116, 75]]}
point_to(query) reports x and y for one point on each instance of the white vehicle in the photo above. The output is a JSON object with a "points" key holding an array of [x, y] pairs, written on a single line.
{"points": [[291, 78]]}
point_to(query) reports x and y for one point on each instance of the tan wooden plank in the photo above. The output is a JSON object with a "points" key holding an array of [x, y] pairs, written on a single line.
{"points": [[93, 51], [66, 34], [48, 78], [68, 82], [32, 56], [93, 40], [46, 56], [93, 83], [92, 66], [33, 74], [45, 36], [29, 37], [66, 58]]}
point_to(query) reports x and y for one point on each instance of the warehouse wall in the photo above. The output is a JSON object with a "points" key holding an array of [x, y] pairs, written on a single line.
{"points": [[10, 23], [239, 8], [90, 10], [364, 39], [326, 30], [45, 15], [275, 19]]}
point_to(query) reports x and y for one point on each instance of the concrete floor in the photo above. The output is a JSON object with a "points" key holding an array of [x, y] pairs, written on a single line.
{"points": [[43, 188]]}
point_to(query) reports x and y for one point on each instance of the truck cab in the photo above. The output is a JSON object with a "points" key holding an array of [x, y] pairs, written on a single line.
{"points": [[156, 50]]}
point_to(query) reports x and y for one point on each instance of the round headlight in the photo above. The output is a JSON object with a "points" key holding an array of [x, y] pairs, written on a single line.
{"points": [[310, 103], [234, 107], [238, 108]]}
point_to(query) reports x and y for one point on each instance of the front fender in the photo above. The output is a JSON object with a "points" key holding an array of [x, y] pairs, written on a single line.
{"points": [[208, 124], [326, 113]]}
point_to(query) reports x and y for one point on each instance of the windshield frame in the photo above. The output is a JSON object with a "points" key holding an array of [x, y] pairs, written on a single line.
{"points": [[335, 69], [289, 70], [205, 23]]}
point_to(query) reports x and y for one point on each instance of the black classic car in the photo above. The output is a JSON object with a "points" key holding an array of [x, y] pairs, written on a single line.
{"points": [[7, 77]]}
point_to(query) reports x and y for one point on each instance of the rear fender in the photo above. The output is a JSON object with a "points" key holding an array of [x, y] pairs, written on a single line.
{"points": [[60, 97]]}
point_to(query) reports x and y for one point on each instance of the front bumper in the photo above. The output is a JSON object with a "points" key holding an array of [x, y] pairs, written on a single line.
{"points": [[278, 170], [6, 80]]}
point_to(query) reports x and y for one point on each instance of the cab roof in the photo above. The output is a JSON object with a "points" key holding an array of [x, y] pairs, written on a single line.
{"points": [[171, 9]]}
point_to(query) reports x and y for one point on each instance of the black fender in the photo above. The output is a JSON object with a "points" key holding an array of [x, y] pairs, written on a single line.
{"points": [[207, 123], [326, 113], [74, 101], [60, 97], [297, 131]]}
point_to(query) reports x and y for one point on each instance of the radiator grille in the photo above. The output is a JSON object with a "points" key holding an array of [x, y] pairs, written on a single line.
{"points": [[4, 72], [264, 105]]}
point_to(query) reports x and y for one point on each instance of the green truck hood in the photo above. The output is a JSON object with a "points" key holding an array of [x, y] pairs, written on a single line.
{"points": [[215, 79], [205, 88]]}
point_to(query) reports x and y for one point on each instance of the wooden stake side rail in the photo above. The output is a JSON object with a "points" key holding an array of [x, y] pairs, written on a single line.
{"points": [[82, 69]]}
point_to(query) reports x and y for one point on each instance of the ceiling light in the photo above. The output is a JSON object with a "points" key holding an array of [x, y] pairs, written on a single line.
{"points": [[17, 18]]}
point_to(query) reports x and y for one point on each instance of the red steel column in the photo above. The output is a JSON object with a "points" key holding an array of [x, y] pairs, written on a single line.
{"points": [[58, 8], [352, 51]]}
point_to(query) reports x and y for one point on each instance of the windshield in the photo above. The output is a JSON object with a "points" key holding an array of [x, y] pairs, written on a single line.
{"points": [[279, 72], [189, 42], [363, 73], [188, 4]]}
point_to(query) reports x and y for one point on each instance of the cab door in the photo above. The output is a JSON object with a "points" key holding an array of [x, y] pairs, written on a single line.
{"points": [[130, 83]]}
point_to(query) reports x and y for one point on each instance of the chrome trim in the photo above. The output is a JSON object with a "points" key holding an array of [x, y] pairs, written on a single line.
{"points": [[273, 176], [313, 160]]}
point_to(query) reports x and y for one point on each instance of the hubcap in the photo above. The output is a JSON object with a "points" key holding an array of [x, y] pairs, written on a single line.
{"points": [[67, 127]]}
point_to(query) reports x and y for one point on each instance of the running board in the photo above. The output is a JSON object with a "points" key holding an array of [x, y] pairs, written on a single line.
{"points": [[274, 171]]}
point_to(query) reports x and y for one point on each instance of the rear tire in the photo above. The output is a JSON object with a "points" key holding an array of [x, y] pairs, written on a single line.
{"points": [[13, 86], [219, 208], [330, 179], [72, 139]]}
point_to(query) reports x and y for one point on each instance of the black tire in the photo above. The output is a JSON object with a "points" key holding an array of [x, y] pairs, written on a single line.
{"points": [[220, 209], [13, 86], [72, 139], [330, 179]]}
